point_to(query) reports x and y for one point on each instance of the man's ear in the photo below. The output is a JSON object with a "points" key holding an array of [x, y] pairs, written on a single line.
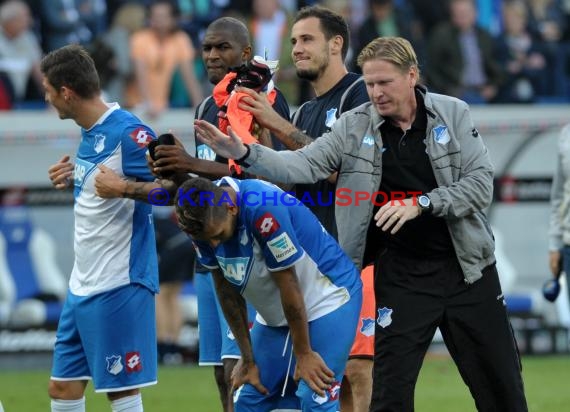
{"points": [[246, 54], [336, 43], [66, 93], [232, 209]]}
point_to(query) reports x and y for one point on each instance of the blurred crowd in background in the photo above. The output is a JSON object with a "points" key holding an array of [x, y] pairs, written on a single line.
{"points": [[149, 52]]}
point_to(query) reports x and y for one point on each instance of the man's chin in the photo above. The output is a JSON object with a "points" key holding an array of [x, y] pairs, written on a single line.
{"points": [[309, 75]]}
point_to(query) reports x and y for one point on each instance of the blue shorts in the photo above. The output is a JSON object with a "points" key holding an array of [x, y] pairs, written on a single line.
{"points": [[272, 350], [216, 342], [109, 337]]}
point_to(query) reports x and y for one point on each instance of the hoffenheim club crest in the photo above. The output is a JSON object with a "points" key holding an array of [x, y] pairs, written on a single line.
{"points": [[331, 117], [384, 317], [440, 134], [114, 365], [367, 328], [99, 143]]}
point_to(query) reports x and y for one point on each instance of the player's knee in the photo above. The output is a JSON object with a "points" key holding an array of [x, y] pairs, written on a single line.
{"points": [[247, 399], [112, 396], [359, 372], [65, 390]]}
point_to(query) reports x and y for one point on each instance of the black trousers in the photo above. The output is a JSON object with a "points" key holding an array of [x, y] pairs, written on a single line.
{"points": [[413, 298]]}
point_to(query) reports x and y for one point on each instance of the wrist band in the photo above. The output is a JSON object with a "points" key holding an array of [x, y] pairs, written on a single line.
{"points": [[241, 160]]}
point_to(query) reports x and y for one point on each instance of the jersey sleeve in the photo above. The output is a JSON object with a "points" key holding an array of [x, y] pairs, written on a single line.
{"points": [[205, 255], [134, 147], [272, 226]]}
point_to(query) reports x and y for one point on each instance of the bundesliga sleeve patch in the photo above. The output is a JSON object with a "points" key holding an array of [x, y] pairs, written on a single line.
{"points": [[266, 225], [282, 247], [141, 137]]}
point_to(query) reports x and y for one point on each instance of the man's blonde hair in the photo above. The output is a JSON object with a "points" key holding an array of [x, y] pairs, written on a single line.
{"points": [[395, 50]]}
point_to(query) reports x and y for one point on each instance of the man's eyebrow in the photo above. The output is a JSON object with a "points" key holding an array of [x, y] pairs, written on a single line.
{"points": [[217, 45]]}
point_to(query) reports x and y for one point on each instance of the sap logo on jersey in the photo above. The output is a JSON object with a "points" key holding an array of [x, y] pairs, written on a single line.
{"points": [[205, 152], [235, 269], [81, 170], [282, 247]]}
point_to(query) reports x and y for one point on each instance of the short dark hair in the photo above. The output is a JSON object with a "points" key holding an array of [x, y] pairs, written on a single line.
{"points": [[234, 26], [332, 24], [72, 66], [193, 211]]}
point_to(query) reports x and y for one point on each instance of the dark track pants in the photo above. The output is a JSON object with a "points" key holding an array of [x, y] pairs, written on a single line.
{"points": [[413, 298]]}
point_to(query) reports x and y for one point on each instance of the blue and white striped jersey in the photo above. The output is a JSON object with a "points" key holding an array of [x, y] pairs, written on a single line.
{"points": [[114, 238]]}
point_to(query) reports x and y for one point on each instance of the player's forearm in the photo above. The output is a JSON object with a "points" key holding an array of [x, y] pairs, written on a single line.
{"points": [[299, 326], [294, 309], [141, 190], [235, 311], [208, 168], [291, 137]]}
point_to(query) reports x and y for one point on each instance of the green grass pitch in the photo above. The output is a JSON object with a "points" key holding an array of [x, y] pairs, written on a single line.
{"points": [[191, 388]]}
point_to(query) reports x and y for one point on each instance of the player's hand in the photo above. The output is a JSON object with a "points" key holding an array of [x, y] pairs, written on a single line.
{"points": [[109, 184], [395, 213], [313, 370], [230, 147], [555, 262], [172, 158], [258, 105], [61, 173], [247, 373]]}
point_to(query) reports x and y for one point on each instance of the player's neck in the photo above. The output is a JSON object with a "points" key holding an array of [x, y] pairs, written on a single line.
{"points": [[330, 77], [89, 111]]}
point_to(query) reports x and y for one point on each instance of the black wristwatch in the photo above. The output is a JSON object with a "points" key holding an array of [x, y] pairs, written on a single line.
{"points": [[424, 203]]}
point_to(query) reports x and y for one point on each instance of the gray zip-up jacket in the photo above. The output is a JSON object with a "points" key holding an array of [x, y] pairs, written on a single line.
{"points": [[353, 147], [559, 234]]}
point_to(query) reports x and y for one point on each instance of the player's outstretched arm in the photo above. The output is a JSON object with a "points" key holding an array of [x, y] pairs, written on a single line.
{"points": [[310, 366], [230, 147]]}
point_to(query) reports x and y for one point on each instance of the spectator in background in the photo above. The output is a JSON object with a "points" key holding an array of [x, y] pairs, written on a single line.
{"points": [[196, 15], [158, 52], [386, 19], [521, 57], [428, 15], [269, 26], [61, 24], [547, 24], [94, 14], [20, 51], [546, 20], [175, 265], [119, 87], [462, 58]]}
